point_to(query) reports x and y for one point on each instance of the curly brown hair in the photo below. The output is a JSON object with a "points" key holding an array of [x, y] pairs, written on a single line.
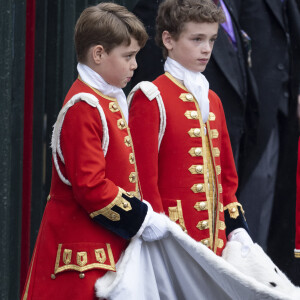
{"points": [[173, 14], [109, 25]]}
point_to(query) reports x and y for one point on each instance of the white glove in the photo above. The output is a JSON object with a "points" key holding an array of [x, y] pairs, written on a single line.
{"points": [[156, 227], [241, 235]]}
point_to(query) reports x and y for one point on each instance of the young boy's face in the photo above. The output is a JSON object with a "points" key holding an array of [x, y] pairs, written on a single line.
{"points": [[117, 67], [194, 45]]}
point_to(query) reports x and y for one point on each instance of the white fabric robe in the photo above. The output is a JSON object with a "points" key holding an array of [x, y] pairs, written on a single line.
{"points": [[177, 268]]}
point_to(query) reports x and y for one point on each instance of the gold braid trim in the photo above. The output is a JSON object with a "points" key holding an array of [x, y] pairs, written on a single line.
{"points": [[233, 210], [297, 253], [118, 201]]}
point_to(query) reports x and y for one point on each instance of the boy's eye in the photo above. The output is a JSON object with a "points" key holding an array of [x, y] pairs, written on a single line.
{"points": [[213, 40], [129, 56], [197, 39]]}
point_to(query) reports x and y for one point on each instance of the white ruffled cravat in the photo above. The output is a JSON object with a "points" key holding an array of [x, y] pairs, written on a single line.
{"points": [[195, 82], [93, 79]]}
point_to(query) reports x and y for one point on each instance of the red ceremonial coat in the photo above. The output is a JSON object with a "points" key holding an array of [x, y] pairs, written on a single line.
{"points": [[175, 178], [297, 239], [72, 250]]}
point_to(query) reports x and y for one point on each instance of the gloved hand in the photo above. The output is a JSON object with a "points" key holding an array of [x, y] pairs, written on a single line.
{"points": [[156, 227], [241, 235]]}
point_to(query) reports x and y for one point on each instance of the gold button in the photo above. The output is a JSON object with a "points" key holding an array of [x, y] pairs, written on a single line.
{"points": [[199, 169], [125, 204], [189, 97], [127, 141], [121, 124], [233, 210], [114, 106], [113, 216], [204, 224], [202, 205], [205, 242], [194, 114], [197, 131], [199, 187], [131, 158], [53, 276], [198, 151], [132, 177], [81, 275], [48, 198]]}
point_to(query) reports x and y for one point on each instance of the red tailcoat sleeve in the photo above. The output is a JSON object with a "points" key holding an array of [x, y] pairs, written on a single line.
{"points": [[144, 123], [84, 159]]}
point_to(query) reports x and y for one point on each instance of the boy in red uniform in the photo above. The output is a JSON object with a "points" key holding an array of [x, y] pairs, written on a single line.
{"points": [[93, 207], [182, 147]]}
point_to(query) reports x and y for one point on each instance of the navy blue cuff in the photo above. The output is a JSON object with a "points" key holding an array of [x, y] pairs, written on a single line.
{"points": [[124, 216], [234, 223]]}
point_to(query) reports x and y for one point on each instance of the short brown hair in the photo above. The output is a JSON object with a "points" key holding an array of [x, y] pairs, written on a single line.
{"points": [[109, 25], [173, 14]]}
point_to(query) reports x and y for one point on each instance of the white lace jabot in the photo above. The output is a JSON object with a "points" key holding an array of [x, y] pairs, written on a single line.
{"points": [[195, 82], [96, 81]]}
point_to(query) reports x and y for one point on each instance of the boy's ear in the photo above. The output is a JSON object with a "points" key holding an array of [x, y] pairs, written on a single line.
{"points": [[167, 40], [97, 53]]}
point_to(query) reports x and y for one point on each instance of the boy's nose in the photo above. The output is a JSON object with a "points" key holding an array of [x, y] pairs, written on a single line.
{"points": [[134, 64], [207, 47]]}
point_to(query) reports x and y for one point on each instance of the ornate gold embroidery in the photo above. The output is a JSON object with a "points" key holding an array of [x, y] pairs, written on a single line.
{"points": [[67, 256], [221, 207], [297, 254], [82, 262], [203, 225], [100, 255], [218, 170], [233, 209], [216, 152], [196, 169], [222, 225], [176, 214], [220, 243], [220, 188], [211, 116], [195, 151], [198, 188], [191, 114], [186, 97], [113, 106], [194, 132], [201, 205], [81, 258], [121, 124], [107, 210], [214, 134]]}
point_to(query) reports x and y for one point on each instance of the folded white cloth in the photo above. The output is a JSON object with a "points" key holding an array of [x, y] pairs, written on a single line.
{"points": [[195, 82], [177, 267], [93, 79]]}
